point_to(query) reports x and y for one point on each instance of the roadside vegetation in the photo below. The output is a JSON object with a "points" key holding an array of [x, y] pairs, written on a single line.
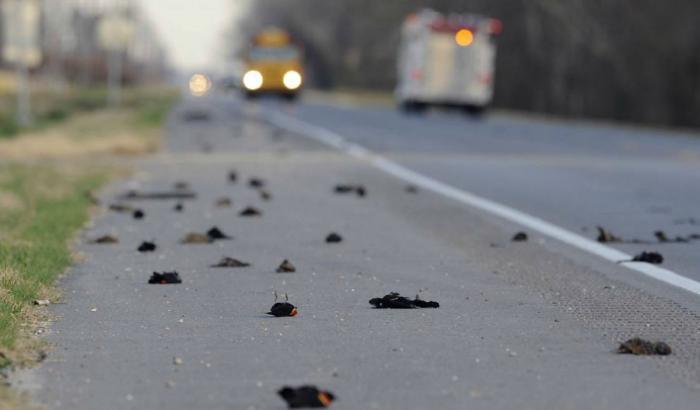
{"points": [[47, 176]]}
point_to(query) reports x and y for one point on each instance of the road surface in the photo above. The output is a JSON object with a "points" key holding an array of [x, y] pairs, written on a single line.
{"points": [[521, 325]]}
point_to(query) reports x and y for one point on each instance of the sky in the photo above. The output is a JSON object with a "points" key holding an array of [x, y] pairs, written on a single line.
{"points": [[192, 29]]}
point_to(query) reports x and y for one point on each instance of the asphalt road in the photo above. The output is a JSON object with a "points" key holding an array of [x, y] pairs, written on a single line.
{"points": [[632, 181], [521, 325]]}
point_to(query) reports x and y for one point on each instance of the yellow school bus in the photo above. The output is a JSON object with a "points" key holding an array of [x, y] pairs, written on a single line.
{"points": [[273, 65]]}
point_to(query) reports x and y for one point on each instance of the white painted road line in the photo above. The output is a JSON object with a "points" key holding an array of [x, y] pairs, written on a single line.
{"points": [[337, 141]]}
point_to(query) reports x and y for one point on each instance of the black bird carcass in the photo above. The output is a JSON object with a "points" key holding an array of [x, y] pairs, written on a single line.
{"points": [[306, 397]]}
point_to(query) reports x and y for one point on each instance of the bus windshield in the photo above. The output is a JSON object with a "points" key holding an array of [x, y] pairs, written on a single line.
{"points": [[273, 53]]}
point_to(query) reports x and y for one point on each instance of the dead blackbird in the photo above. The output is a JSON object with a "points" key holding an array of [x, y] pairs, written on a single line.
{"points": [[104, 240], [250, 211], [334, 238], [121, 208], [224, 202], [179, 207], [181, 186], [411, 189], [265, 196], [286, 267], [165, 278], [230, 263], [395, 301], [359, 190], [520, 237], [232, 177], [147, 247], [285, 309], [606, 237], [418, 302], [196, 238], [654, 258], [256, 183], [661, 236], [139, 214], [215, 234], [344, 189], [306, 397], [641, 347]]}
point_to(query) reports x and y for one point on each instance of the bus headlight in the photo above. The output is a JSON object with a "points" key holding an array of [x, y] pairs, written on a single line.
{"points": [[292, 80], [253, 80]]}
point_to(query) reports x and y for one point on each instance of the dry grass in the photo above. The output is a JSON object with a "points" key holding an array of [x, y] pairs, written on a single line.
{"points": [[44, 177], [85, 135], [352, 97]]}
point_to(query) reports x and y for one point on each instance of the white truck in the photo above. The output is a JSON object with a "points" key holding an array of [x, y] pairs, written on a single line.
{"points": [[447, 60]]}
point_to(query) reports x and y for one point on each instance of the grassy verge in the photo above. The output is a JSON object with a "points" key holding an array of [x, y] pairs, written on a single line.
{"points": [[45, 174], [50, 107], [43, 206], [352, 97]]}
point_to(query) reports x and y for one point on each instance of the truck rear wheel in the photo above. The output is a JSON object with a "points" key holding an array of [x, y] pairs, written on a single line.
{"points": [[413, 107], [476, 111]]}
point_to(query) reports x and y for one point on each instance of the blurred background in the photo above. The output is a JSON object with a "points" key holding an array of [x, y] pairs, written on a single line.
{"points": [[635, 62], [631, 61]]}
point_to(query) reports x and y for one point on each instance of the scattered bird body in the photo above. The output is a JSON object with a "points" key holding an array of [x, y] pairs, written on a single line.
{"points": [[224, 202], [606, 237], [256, 183], [250, 212], [179, 207], [334, 238], [164, 195], [306, 397], [641, 347], [359, 190], [344, 189], [232, 177], [419, 303], [216, 234], [396, 301], [165, 278], [520, 237], [265, 196], [285, 309], [121, 208], [286, 267], [227, 262], [411, 189], [139, 214], [147, 247], [661, 236], [654, 258], [105, 240], [181, 186], [196, 238]]}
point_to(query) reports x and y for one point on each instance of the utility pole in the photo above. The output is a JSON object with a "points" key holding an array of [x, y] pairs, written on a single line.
{"points": [[115, 67], [21, 29], [115, 32]]}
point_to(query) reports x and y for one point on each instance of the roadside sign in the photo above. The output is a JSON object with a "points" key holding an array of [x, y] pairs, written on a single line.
{"points": [[21, 23], [115, 33]]}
